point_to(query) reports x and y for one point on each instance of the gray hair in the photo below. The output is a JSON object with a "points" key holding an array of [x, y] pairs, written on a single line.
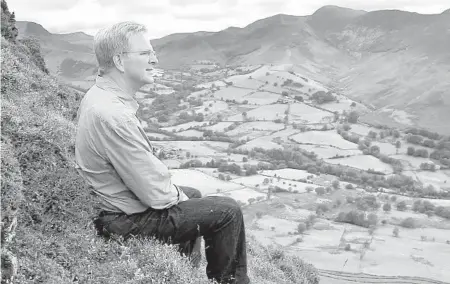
{"points": [[113, 40]]}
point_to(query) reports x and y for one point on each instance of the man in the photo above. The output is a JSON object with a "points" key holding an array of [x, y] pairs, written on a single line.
{"points": [[134, 188]]}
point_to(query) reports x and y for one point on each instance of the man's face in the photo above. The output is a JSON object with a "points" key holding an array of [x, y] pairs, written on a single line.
{"points": [[139, 61]]}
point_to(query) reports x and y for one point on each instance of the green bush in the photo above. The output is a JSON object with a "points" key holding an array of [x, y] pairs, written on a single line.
{"points": [[409, 223]]}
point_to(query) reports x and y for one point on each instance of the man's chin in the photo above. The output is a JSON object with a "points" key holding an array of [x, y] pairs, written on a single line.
{"points": [[148, 80]]}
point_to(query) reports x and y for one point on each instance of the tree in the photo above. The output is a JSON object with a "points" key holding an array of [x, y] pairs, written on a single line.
{"points": [[374, 150], [244, 159], [346, 127], [398, 145], [353, 117], [336, 184], [410, 151], [372, 134], [395, 232], [372, 219], [301, 228], [401, 206], [320, 190], [322, 97], [387, 207], [408, 223]]}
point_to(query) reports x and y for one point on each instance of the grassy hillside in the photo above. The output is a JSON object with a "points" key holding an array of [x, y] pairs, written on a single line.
{"points": [[54, 240]]}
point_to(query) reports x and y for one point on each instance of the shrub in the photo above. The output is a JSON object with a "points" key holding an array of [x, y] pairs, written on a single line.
{"points": [[322, 97], [301, 228], [387, 207], [395, 232], [408, 223], [357, 218], [401, 206], [320, 191], [348, 247]]}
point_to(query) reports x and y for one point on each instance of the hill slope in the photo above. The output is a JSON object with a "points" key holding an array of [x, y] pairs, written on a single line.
{"points": [[55, 241]]}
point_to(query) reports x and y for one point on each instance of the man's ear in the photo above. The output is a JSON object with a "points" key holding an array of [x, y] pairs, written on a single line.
{"points": [[118, 62]]}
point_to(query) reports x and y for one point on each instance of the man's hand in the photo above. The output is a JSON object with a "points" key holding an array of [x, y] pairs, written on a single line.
{"points": [[159, 153]]}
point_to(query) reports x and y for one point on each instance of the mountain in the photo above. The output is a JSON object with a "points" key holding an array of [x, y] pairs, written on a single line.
{"points": [[67, 55], [394, 60]]}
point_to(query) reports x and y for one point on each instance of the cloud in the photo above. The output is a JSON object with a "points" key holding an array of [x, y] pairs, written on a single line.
{"points": [[173, 16], [203, 12], [132, 7], [48, 5]]}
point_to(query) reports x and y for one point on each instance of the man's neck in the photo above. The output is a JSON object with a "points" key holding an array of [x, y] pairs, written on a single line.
{"points": [[122, 83]]}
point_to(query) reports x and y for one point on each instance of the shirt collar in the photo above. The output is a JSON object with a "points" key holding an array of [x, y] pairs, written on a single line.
{"points": [[109, 85]]}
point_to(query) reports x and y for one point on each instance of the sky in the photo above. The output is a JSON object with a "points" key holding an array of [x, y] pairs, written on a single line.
{"points": [[164, 17]]}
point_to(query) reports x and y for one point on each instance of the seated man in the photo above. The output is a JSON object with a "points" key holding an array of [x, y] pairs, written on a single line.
{"points": [[136, 194]]}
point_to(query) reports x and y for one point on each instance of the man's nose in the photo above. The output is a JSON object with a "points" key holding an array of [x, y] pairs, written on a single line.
{"points": [[153, 60]]}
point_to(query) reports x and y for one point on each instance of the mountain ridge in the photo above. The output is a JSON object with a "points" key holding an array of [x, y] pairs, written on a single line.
{"points": [[399, 49]]}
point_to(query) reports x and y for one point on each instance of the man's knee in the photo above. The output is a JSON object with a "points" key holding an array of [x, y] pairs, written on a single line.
{"points": [[191, 192], [230, 204], [196, 193]]}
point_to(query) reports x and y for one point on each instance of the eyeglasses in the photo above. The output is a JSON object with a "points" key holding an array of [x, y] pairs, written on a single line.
{"points": [[149, 53]]}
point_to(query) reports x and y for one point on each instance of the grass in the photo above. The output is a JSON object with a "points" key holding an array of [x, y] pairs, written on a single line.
{"points": [[55, 241]]}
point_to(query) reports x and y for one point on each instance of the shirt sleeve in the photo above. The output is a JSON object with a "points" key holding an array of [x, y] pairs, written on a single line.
{"points": [[132, 157]]}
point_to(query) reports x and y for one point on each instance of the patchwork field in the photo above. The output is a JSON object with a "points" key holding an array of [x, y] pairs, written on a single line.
{"points": [[201, 181], [185, 126], [267, 112], [275, 89], [283, 135], [244, 195], [412, 163], [261, 142], [291, 174], [364, 162], [191, 133], [208, 85], [199, 148], [326, 152], [220, 126], [275, 221], [302, 113], [246, 83], [361, 129], [255, 126], [262, 98], [198, 94], [158, 135], [251, 181], [385, 148], [344, 104], [232, 93], [212, 106], [438, 179], [387, 255], [324, 138]]}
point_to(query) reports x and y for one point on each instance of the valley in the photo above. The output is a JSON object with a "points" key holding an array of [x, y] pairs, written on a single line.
{"points": [[312, 179]]}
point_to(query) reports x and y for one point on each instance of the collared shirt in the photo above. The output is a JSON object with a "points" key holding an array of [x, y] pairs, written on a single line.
{"points": [[114, 155]]}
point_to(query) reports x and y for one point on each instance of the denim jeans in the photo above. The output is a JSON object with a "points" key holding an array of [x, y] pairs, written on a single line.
{"points": [[217, 219]]}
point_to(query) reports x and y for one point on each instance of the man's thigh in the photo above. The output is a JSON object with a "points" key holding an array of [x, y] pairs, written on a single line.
{"points": [[189, 219]]}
